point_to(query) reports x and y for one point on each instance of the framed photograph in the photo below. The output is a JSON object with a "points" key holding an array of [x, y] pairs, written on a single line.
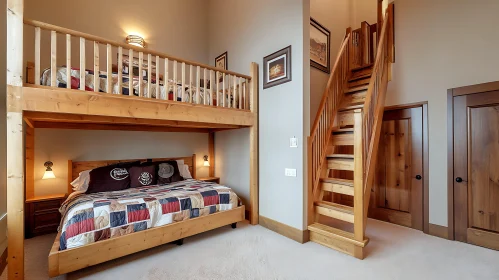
{"points": [[135, 66], [277, 68], [320, 46], [221, 62]]}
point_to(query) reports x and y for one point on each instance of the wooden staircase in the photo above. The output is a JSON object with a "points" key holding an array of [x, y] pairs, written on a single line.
{"points": [[342, 147]]}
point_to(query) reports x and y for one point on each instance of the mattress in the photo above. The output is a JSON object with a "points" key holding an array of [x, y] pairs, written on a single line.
{"points": [[89, 218], [164, 87]]}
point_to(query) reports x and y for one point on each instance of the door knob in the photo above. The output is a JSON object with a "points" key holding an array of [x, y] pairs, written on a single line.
{"points": [[459, 179], [418, 177]]}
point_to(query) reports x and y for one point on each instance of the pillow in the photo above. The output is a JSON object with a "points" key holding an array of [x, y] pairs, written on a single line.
{"points": [[144, 175], [168, 172], [80, 184], [110, 178], [185, 173]]}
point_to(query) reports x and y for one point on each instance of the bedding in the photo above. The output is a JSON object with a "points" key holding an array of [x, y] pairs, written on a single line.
{"points": [[89, 218], [62, 81]]}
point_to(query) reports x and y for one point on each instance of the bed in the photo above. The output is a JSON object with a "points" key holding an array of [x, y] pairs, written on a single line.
{"points": [[102, 226]]}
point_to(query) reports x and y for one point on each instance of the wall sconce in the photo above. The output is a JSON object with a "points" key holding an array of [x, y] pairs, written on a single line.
{"points": [[49, 174], [135, 40], [206, 162]]}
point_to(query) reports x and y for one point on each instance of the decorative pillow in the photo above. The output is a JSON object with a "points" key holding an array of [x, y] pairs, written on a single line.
{"points": [[168, 172], [80, 184], [144, 175], [110, 178], [185, 173]]}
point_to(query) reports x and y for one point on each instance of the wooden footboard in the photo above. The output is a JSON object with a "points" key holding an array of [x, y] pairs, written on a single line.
{"points": [[62, 262]]}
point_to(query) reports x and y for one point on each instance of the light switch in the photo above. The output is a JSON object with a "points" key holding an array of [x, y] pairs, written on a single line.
{"points": [[293, 142], [289, 172]]}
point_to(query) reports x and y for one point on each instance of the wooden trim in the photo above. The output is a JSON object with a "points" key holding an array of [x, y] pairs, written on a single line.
{"points": [[406, 106], [426, 171], [3, 261], [29, 162], [68, 101], [61, 262], [94, 126], [450, 164], [438, 231], [211, 153], [254, 145], [104, 41], [46, 197], [300, 236], [493, 86], [483, 238], [194, 166], [70, 176]]}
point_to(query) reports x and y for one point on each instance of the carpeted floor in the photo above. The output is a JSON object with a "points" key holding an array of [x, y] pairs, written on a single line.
{"points": [[253, 252]]}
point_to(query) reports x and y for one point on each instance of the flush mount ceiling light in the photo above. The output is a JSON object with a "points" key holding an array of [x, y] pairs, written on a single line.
{"points": [[135, 40]]}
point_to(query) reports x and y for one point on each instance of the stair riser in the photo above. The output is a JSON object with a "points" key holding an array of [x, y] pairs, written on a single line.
{"points": [[342, 246], [360, 82], [337, 188], [362, 72], [342, 139], [355, 97], [340, 164], [345, 119], [347, 217]]}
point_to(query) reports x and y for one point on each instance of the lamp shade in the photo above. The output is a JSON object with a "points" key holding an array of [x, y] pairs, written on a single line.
{"points": [[48, 175], [206, 162]]}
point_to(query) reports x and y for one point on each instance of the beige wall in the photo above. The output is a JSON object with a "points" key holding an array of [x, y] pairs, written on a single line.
{"points": [[440, 45], [335, 16], [363, 10]]}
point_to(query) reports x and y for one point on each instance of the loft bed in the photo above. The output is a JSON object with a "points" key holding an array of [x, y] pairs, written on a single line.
{"points": [[209, 100]]}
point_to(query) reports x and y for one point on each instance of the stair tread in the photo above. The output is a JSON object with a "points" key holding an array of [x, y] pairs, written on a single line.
{"points": [[360, 77], [340, 156], [355, 89], [352, 106], [342, 130], [336, 233], [335, 207], [362, 67], [338, 181]]}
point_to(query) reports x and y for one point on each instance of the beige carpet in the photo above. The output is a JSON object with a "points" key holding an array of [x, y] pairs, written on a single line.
{"points": [[253, 252]]}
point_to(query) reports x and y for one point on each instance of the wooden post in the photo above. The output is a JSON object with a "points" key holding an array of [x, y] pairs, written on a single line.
{"points": [[30, 160], [158, 92], [254, 145], [15, 147], [149, 76], [109, 66], [141, 76], [166, 81], [68, 62], [53, 59], [130, 72], [82, 64], [38, 38], [211, 153], [358, 180], [120, 70], [96, 67]]}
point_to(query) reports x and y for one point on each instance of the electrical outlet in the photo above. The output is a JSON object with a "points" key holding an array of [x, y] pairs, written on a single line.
{"points": [[293, 142], [290, 172]]}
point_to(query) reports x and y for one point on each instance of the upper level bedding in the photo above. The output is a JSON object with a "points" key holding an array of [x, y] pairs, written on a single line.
{"points": [[89, 218]]}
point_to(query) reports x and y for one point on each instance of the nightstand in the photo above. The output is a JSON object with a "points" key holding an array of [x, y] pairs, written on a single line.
{"points": [[211, 179], [42, 215]]}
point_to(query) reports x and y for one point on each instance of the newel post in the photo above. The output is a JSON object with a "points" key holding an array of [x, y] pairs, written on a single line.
{"points": [[358, 181]]}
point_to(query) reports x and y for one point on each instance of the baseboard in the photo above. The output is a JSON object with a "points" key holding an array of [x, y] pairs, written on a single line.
{"points": [[3, 261], [297, 235], [439, 231]]}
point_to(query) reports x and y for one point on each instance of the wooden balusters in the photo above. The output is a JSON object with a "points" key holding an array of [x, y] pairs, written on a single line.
{"points": [[149, 76], [183, 83], [141, 70], [82, 64], [240, 94], [223, 90], [217, 81], [158, 92], [37, 55], [68, 62], [96, 66], [234, 91], [175, 86], [212, 84], [53, 59], [166, 82], [198, 83], [205, 89], [130, 72], [120, 70], [191, 72], [109, 86]]}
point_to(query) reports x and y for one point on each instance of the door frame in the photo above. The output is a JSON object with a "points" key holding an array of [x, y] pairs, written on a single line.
{"points": [[426, 170], [451, 93]]}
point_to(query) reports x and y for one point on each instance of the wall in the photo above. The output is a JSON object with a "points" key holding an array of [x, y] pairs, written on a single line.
{"points": [[363, 10], [249, 31], [3, 129], [440, 45], [335, 16], [59, 145]]}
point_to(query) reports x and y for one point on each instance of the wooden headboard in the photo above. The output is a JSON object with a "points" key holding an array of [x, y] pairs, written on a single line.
{"points": [[75, 167]]}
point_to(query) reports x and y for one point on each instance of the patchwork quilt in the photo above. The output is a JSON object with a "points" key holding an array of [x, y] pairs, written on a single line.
{"points": [[89, 218]]}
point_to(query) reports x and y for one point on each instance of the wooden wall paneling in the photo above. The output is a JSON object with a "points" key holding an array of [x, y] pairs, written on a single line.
{"points": [[254, 145], [30, 161], [211, 153], [15, 143]]}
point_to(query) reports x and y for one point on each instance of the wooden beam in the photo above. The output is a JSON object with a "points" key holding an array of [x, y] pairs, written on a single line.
{"points": [[253, 145], [121, 127], [211, 153], [15, 148], [30, 162], [58, 100]]}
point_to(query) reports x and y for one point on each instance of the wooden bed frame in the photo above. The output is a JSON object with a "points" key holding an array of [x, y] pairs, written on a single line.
{"points": [[61, 262], [31, 105]]}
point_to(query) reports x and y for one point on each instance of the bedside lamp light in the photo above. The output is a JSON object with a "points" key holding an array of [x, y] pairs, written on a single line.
{"points": [[135, 40], [49, 174], [206, 162]]}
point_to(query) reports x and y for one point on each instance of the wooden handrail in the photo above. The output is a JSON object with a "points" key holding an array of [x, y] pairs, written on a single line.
{"points": [[62, 30], [323, 124]]}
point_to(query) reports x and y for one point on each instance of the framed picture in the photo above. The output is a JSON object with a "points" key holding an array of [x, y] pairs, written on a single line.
{"points": [[135, 66], [320, 46], [277, 68], [221, 62]]}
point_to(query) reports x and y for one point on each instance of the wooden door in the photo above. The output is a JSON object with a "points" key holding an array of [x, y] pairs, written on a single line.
{"points": [[398, 183], [476, 168]]}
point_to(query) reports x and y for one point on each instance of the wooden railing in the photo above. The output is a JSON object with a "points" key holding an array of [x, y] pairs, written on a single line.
{"points": [[323, 125], [202, 82], [362, 46], [374, 105]]}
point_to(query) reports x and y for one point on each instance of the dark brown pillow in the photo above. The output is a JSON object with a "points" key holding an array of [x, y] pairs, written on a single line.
{"points": [[168, 172], [110, 178], [144, 175]]}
